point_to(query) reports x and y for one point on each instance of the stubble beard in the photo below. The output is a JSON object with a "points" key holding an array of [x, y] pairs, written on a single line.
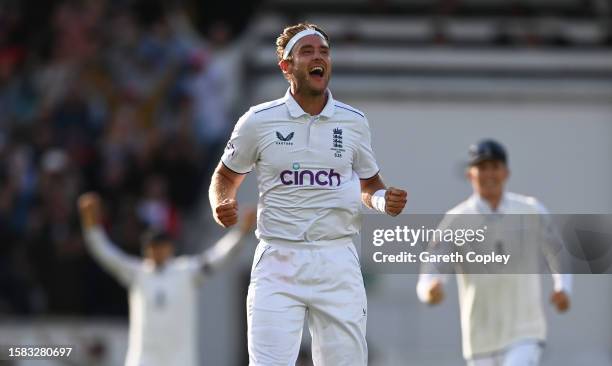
{"points": [[302, 86]]}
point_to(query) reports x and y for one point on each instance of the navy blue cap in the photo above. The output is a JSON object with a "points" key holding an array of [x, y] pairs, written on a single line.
{"points": [[487, 150]]}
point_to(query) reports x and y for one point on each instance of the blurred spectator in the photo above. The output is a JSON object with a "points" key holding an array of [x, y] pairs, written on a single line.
{"points": [[121, 97]]}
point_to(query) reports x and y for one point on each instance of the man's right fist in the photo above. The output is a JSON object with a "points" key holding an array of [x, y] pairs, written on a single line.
{"points": [[226, 212], [89, 209]]}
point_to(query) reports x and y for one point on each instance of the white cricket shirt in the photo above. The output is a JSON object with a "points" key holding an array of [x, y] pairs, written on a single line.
{"points": [[308, 168], [162, 304], [498, 310]]}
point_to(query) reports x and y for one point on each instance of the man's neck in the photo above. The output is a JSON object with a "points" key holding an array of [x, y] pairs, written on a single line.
{"points": [[311, 104], [157, 267], [493, 201]]}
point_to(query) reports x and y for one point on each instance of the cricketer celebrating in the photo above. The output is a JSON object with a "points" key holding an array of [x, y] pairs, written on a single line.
{"points": [[162, 288], [502, 321], [313, 159]]}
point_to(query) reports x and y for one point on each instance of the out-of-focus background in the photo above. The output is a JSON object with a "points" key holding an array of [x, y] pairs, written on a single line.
{"points": [[135, 99]]}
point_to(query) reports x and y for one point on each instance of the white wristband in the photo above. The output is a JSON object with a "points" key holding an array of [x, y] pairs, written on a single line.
{"points": [[378, 200]]}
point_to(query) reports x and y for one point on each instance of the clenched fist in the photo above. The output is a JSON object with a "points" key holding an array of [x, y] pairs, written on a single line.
{"points": [[226, 212], [395, 200], [560, 300], [435, 295], [89, 209]]}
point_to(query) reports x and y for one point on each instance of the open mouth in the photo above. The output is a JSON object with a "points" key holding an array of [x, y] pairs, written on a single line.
{"points": [[317, 71]]}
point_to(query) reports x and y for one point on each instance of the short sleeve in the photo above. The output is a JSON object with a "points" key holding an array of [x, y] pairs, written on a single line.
{"points": [[241, 151], [364, 163]]}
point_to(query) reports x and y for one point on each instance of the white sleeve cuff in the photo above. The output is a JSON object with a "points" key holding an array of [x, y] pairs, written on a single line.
{"points": [[424, 284], [378, 200], [563, 282]]}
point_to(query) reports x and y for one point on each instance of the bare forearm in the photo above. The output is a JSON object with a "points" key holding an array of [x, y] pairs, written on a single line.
{"points": [[89, 222], [369, 187], [222, 195], [221, 188], [89, 210]]}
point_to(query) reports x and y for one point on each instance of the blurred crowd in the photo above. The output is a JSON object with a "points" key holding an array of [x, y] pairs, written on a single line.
{"points": [[122, 97]]}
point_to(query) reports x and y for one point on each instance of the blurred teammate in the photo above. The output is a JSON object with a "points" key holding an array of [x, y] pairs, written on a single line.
{"points": [[502, 321], [162, 289], [314, 162]]}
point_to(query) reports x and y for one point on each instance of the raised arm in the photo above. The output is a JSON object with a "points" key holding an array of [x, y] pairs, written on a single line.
{"points": [[111, 258], [224, 185], [229, 245], [376, 196]]}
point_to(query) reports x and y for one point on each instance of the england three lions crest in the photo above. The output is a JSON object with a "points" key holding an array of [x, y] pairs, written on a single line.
{"points": [[337, 146]]}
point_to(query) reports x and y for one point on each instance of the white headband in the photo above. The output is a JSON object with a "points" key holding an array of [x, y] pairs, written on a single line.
{"points": [[297, 37]]}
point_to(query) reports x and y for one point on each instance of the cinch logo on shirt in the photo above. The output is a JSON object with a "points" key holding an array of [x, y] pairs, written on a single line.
{"points": [[309, 177]]}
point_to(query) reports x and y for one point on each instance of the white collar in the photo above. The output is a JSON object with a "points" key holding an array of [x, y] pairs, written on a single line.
{"points": [[296, 111], [484, 206]]}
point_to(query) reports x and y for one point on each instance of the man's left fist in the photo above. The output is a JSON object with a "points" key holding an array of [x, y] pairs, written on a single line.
{"points": [[395, 200], [560, 300]]}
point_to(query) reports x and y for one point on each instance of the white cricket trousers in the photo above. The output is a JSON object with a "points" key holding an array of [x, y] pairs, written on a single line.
{"points": [[525, 353], [292, 282]]}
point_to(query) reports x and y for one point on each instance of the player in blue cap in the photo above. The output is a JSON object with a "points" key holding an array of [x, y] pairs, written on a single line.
{"points": [[502, 321]]}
